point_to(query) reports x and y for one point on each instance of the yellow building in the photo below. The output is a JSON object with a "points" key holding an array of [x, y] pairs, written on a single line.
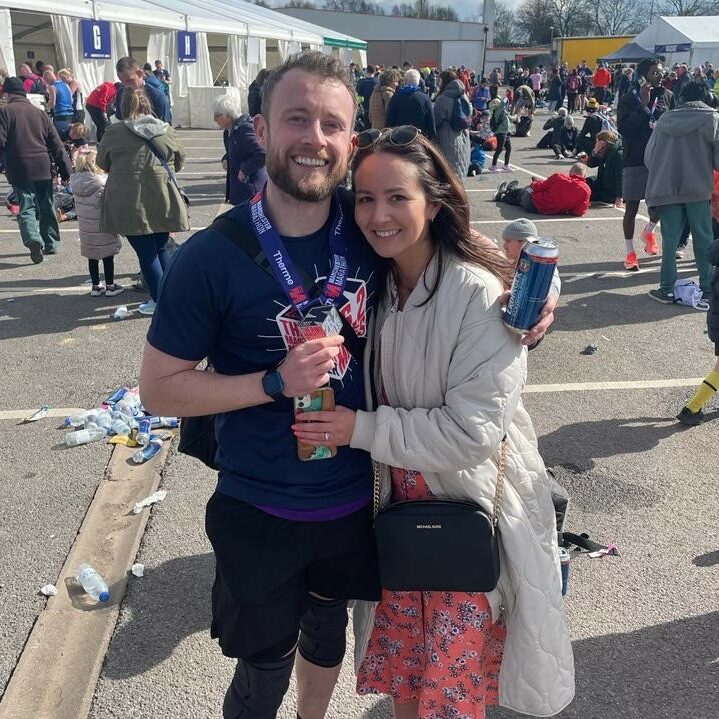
{"points": [[573, 50]]}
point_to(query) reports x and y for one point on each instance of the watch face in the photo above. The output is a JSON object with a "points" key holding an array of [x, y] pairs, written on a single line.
{"points": [[272, 384]]}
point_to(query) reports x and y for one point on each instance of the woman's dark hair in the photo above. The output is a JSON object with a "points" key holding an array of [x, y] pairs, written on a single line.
{"points": [[261, 77], [450, 230], [643, 67], [693, 91], [445, 77]]}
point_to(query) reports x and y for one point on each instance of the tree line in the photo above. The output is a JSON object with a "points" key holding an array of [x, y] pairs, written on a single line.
{"points": [[418, 8]]}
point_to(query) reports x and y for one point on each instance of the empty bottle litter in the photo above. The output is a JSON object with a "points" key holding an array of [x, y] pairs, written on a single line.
{"points": [[149, 451], [93, 583], [84, 436], [121, 313]]}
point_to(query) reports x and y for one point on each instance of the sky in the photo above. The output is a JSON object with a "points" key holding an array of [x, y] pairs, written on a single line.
{"points": [[466, 9]]}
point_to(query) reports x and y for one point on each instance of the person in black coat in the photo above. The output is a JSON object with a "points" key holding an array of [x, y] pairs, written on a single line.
{"points": [[410, 106], [254, 93], [244, 158], [554, 125], [590, 129]]}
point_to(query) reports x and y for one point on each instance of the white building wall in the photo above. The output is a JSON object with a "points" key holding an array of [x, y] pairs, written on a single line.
{"points": [[462, 52]]}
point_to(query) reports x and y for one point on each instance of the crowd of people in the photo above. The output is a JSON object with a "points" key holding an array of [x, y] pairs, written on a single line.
{"points": [[390, 263]]}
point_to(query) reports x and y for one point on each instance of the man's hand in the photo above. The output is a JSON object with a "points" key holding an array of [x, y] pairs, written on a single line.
{"points": [[546, 318], [240, 176], [645, 94], [307, 366], [224, 165]]}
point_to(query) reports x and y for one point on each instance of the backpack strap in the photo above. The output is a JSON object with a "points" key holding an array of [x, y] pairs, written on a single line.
{"points": [[237, 233]]}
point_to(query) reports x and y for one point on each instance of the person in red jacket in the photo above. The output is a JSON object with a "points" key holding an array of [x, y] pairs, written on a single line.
{"points": [[99, 104], [601, 80], [559, 194]]}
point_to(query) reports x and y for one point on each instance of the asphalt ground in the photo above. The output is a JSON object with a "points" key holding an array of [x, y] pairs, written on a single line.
{"points": [[644, 624]]}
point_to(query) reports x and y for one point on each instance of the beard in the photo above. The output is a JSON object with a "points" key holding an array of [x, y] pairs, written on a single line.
{"points": [[279, 169]]}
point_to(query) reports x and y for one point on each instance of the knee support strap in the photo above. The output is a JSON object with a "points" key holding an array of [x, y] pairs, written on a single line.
{"points": [[323, 632], [260, 683]]}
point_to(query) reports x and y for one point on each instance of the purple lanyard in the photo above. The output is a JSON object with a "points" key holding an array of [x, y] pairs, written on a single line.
{"points": [[284, 268]]}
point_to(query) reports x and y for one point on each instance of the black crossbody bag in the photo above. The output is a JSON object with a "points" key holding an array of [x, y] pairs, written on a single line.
{"points": [[170, 172], [439, 544], [197, 434]]}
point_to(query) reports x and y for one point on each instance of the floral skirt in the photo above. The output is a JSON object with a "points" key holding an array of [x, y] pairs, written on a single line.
{"points": [[438, 648]]}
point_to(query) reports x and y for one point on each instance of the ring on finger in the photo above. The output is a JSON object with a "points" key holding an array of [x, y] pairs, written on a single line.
{"points": [[327, 436]]}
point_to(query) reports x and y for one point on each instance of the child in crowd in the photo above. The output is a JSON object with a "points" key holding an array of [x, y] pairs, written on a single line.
{"points": [[691, 414], [77, 139], [88, 185]]}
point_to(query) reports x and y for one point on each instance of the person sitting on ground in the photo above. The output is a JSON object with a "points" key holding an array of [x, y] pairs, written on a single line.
{"points": [[410, 106], [607, 157], [559, 194], [567, 139], [554, 125], [590, 129]]}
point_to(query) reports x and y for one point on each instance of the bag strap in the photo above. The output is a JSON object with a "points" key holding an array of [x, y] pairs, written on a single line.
{"points": [[156, 152], [236, 232], [498, 492]]}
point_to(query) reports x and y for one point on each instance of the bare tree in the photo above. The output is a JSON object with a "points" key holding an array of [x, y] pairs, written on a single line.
{"points": [[534, 18], [619, 17], [362, 7], [425, 9], [505, 25], [687, 7], [304, 4]]}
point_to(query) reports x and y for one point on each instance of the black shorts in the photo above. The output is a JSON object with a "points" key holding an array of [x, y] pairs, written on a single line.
{"points": [[266, 566]]}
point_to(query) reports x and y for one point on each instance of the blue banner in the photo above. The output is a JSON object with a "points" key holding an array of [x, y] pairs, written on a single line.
{"points": [[186, 46], [96, 39], [679, 47]]}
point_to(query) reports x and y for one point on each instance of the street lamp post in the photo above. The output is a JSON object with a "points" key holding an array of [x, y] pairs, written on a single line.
{"points": [[551, 42], [484, 51]]}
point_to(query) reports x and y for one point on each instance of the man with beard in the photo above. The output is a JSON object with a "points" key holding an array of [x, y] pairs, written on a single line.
{"points": [[292, 540], [643, 103]]}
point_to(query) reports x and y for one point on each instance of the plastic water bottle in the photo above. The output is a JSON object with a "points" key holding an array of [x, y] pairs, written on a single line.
{"points": [[148, 452], [92, 583], [101, 419], [78, 420], [84, 436], [119, 426]]}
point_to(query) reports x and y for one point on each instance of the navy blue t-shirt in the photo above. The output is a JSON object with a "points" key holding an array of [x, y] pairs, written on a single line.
{"points": [[216, 302]]}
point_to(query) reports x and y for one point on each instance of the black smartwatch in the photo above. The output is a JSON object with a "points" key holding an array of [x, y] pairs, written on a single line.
{"points": [[272, 384]]}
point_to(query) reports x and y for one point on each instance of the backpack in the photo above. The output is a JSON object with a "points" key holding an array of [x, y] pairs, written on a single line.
{"points": [[573, 83], [37, 87], [461, 118]]}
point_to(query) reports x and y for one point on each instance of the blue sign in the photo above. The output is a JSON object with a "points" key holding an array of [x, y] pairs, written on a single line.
{"points": [[96, 39], [679, 47], [186, 46]]}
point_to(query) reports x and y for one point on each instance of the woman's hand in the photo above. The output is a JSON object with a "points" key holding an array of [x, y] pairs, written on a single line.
{"points": [[546, 318], [329, 428]]}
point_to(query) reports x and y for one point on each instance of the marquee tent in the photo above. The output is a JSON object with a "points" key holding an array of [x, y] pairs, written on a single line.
{"points": [[631, 52], [692, 40], [234, 39]]}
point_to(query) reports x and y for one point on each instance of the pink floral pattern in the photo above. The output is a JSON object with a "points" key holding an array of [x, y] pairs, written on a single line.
{"points": [[438, 648]]}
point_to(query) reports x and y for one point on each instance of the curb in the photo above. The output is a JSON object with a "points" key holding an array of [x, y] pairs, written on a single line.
{"points": [[56, 674]]}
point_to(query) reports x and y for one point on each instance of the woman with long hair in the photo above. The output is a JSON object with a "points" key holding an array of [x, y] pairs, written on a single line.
{"points": [[142, 199], [444, 377]]}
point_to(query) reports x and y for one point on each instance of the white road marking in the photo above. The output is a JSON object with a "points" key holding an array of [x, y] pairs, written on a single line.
{"points": [[549, 219], [482, 189], [53, 412], [602, 386], [204, 174]]}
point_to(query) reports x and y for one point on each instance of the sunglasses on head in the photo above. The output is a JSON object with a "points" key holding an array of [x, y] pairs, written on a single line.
{"points": [[398, 136]]}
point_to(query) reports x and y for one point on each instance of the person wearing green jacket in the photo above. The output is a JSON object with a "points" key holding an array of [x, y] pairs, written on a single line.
{"points": [[607, 157], [499, 124]]}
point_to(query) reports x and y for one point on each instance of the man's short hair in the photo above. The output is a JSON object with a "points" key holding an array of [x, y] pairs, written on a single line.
{"points": [[158, 62], [147, 67], [312, 62], [608, 136], [126, 63], [644, 65], [411, 77], [371, 70], [694, 91], [578, 168]]}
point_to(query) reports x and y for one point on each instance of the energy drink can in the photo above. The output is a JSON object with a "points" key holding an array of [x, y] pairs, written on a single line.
{"points": [[564, 560], [531, 284]]}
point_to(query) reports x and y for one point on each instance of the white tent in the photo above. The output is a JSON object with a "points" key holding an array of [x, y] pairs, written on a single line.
{"points": [[692, 40], [245, 36]]}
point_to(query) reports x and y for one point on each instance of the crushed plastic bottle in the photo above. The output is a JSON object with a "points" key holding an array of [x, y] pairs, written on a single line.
{"points": [[92, 583], [84, 436], [40, 414], [101, 419], [149, 451], [119, 426], [149, 501], [121, 313], [79, 420]]}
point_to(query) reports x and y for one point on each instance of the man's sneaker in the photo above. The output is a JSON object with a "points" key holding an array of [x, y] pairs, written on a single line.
{"points": [[650, 243], [493, 168], [689, 418], [112, 290], [97, 290], [147, 308], [49, 251], [631, 263], [679, 254], [666, 298], [36, 252], [513, 185], [500, 191], [507, 168]]}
